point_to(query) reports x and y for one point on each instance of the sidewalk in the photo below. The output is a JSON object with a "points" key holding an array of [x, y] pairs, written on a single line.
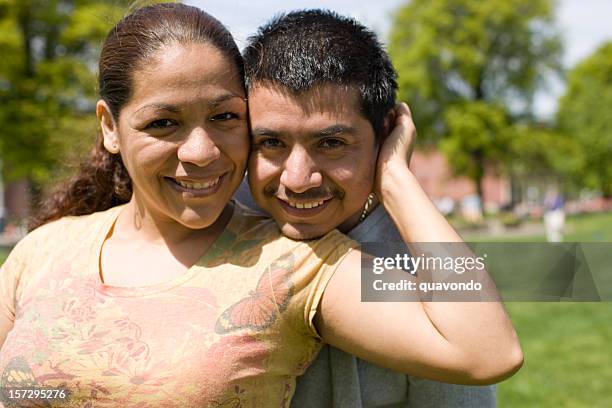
{"points": [[495, 229]]}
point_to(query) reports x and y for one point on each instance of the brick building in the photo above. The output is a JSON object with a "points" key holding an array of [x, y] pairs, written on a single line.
{"points": [[433, 172]]}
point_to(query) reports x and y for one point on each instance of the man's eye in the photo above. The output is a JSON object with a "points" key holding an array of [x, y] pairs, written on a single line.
{"points": [[224, 116], [271, 143], [331, 143], [161, 124]]}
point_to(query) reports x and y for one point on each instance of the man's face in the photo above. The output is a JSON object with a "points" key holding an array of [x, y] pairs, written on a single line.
{"points": [[313, 158]]}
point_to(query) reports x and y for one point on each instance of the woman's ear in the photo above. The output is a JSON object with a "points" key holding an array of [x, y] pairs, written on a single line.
{"points": [[109, 127]]}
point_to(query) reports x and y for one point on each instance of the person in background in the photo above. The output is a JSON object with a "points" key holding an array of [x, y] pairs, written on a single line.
{"points": [[321, 94], [554, 216]]}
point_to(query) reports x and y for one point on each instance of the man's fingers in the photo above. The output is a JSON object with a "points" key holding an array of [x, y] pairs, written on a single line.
{"points": [[403, 121], [403, 116], [402, 108]]}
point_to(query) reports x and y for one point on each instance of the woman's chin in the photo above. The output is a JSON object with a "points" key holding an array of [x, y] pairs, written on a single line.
{"points": [[199, 218]]}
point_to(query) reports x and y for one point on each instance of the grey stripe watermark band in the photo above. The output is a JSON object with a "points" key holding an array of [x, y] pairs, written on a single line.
{"points": [[579, 271]]}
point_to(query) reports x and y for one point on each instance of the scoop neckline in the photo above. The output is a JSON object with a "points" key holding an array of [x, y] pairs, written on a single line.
{"points": [[138, 291]]}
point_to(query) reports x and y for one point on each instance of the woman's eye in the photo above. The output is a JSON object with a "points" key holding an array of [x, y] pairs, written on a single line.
{"points": [[162, 124], [331, 143], [224, 116]]}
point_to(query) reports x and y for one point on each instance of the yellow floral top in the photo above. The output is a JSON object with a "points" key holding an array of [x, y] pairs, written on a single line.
{"points": [[233, 331]]}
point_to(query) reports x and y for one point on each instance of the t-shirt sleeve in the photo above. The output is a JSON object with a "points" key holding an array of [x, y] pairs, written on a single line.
{"points": [[339, 247], [21, 262]]}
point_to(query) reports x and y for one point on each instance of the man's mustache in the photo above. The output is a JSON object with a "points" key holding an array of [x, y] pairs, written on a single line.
{"points": [[313, 194]]}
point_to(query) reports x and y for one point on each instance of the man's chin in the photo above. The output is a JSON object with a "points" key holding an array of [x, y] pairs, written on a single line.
{"points": [[302, 232]]}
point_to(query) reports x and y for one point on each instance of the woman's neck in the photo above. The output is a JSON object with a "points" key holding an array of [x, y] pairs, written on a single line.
{"points": [[138, 222]]}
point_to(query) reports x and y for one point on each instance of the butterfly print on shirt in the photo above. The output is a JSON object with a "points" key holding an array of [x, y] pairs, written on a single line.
{"points": [[261, 308], [18, 376]]}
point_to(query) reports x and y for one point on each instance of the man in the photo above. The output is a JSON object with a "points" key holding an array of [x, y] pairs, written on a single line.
{"points": [[321, 97]]}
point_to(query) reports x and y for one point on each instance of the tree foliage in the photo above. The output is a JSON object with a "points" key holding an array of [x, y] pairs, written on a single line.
{"points": [[585, 116], [47, 80], [469, 70], [542, 153]]}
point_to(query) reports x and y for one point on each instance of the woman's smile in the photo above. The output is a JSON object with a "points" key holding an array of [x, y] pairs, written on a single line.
{"points": [[196, 187]]}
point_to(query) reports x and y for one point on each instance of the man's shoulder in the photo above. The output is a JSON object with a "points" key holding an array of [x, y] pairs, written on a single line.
{"points": [[377, 227]]}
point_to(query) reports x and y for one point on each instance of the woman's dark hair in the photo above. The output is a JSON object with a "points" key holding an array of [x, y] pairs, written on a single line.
{"points": [[103, 181]]}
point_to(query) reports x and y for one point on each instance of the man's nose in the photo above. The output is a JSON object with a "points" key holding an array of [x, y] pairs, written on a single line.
{"points": [[300, 172], [198, 148]]}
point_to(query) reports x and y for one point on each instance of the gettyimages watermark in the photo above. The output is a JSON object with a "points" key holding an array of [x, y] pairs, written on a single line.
{"points": [[471, 272]]}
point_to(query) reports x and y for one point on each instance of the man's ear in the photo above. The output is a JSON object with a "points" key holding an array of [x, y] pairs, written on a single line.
{"points": [[389, 122], [387, 128], [109, 127]]}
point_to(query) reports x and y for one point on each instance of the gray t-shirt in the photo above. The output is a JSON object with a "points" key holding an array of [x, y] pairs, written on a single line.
{"points": [[339, 379]]}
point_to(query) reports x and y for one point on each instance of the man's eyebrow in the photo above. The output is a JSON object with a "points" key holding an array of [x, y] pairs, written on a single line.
{"points": [[335, 130], [325, 132], [262, 131]]}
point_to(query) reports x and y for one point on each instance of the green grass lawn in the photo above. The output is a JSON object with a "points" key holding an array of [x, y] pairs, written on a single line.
{"points": [[567, 346], [589, 227], [568, 357], [3, 254], [578, 228]]}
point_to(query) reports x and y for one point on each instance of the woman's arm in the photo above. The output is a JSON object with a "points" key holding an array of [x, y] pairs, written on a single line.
{"points": [[457, 342], [5, 326], [10, 272], [6, 296]]}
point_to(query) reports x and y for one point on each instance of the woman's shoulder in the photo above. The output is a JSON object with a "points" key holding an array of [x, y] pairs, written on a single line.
{"points": [[56, 237], [68, 228]]}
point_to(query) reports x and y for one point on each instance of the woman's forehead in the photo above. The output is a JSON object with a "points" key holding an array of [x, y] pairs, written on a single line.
{"points": [[184, 75]]}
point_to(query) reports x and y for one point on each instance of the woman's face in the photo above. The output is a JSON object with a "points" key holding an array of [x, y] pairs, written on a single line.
{"points": [[183, 134]]}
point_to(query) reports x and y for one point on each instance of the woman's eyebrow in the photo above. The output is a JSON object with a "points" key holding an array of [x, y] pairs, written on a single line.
{"points": [[160, 106], [225, 97], [177, 109]]}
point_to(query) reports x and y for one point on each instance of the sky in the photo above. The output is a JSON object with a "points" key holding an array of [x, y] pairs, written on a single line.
{"points": [[584, 24]]}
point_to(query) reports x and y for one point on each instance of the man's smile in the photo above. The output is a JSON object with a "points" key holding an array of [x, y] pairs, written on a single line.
{"points": [[303, 208]]}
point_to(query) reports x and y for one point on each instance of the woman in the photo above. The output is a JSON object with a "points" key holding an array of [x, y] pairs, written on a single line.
{"points": [[181, 297]]}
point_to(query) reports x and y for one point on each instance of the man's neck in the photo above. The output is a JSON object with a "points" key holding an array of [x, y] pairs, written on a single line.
{"points": [[355, 219]]}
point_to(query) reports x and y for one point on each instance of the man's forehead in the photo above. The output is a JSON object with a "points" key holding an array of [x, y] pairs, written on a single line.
{"points": [[334, 99]]}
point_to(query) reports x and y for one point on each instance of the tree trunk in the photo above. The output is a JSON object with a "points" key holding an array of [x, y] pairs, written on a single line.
{"points": [[516, 194], [24, 21], [607, 192], [478, 157]]}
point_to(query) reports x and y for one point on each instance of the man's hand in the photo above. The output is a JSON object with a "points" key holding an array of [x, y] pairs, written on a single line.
{"points": [[396, 150]]}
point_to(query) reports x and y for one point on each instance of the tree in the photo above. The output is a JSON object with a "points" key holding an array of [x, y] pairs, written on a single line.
{"points": [[469, 69], [47, 81], [584, 115]]}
